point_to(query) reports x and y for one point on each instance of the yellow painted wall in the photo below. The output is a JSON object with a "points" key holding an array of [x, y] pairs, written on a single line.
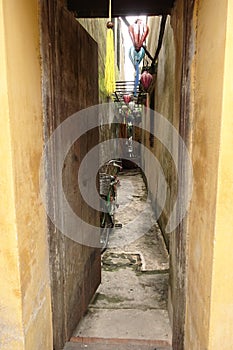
{"points": [[209, 318], [221, 317], [11, 332], [209, 236], [25, 310]]}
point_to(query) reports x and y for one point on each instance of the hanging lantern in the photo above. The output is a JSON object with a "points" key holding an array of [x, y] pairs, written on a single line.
{"points": [[136, 57], [146, 79], [127, 98], [138, 33]]}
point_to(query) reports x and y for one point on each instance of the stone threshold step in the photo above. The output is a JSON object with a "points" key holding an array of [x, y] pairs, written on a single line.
{"points": [[81, 343]]}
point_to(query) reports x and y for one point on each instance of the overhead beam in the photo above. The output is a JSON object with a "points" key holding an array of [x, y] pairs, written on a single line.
{"points": [[99, 9]]}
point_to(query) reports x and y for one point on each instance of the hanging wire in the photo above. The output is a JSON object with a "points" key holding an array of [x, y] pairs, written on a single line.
{"points": [[110, 10], [160, 40]]}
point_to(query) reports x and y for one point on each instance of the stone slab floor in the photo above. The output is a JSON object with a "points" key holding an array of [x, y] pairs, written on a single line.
{"points": [[129, 310]]}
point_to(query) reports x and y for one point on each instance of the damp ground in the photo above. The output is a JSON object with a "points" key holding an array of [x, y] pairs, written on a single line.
{"points": [[130, 305]]}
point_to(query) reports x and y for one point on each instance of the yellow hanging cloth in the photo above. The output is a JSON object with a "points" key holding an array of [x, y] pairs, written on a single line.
{"points": [[110, 64]]}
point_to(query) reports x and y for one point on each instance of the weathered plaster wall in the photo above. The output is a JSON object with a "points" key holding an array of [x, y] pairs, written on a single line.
{"points": [[25, 311], [165, 102], [70, 83], [183, 29], [96, 27]]}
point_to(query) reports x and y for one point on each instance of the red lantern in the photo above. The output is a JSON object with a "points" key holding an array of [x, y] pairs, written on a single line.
{"points": [[146, 79], [138, 33], [127, 98]]}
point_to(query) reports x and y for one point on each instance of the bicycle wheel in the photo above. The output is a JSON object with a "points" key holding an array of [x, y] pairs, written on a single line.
{"points": [[112, 205], [105, 231]]}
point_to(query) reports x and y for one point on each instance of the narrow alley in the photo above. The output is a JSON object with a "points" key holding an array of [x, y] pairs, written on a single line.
{"points": [[84, 83], [129, 309]]}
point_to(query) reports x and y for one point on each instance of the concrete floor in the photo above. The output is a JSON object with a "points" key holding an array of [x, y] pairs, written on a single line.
{"points": [[130, 306]]}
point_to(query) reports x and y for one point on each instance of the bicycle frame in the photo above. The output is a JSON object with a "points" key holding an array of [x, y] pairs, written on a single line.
{"points": [[108, 192]]}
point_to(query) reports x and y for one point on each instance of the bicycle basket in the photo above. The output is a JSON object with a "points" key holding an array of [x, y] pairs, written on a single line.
{"points": [[105, 181]]}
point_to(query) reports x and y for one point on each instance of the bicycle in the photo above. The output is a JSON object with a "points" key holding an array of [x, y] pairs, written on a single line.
{"points": [[108, 192]]}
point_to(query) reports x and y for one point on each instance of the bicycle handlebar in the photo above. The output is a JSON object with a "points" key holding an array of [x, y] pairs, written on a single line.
{"points": [[114, 161]]}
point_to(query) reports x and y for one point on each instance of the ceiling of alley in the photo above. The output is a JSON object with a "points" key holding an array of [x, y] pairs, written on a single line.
{"points": [[120, 8]]}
